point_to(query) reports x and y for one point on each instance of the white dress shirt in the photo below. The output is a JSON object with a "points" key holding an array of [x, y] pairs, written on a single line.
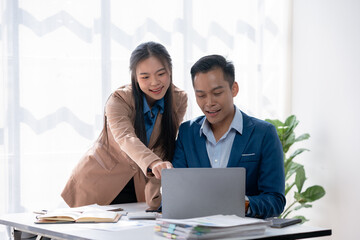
{"points": [[219, 152]]}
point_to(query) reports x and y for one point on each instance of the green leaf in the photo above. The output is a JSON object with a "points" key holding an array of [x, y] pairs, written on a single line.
{"points": [[293, 167], [314, 193], [300, 178], [279, 127], [281, 133], [291, 122], [311, 194], [290, 140], [287, 164], [284, 157], [275, 122], [303, 206], [302, 137], [297, 152]]}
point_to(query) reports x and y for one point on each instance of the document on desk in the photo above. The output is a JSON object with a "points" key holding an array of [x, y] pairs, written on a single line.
{"points": [[216, 226], [113, 208], [120, 225]]}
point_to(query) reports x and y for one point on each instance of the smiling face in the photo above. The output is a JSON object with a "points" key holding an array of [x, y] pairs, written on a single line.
{"points": [[153, 78], [215, 98]]}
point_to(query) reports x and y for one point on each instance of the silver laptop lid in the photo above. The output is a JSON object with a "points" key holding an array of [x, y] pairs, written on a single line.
{"points": [[198, 192]]}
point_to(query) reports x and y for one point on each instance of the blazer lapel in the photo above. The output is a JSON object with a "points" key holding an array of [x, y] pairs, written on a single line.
{"points": [[240, 142], [200, 146]]}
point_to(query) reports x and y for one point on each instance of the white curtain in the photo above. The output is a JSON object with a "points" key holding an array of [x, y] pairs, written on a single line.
{"points": [[60, 60]]}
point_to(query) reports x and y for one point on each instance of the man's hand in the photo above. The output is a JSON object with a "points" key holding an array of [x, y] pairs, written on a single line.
{"points": [[158, 165], [247, 203]]}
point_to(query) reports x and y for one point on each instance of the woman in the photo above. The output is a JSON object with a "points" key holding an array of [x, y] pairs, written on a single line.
{"points": [[138, 139]]}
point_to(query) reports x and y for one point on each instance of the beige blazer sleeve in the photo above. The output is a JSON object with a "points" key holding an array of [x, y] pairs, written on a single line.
{"points": [[119, 112]]}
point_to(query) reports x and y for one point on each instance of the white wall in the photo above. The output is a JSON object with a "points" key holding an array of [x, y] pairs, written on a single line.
{"points": [[326, 99]]}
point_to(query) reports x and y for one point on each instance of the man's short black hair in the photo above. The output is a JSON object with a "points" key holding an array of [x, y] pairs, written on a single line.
{"points": [[211, 62]]}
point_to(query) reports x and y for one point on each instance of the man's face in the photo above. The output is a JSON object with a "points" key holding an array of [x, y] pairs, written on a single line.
{"points": [[215, 97]]}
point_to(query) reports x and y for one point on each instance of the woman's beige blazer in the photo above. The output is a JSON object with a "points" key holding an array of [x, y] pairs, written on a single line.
{"points": [[113, 160]]}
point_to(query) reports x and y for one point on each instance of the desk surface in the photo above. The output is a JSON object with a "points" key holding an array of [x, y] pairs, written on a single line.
{"points": [[133, 229]]}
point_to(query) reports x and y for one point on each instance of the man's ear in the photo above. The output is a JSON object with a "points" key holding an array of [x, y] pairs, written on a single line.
{"points": [[235, 89]]}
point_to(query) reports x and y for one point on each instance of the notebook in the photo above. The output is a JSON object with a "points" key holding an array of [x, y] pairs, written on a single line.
{"points": [[198, 192]]}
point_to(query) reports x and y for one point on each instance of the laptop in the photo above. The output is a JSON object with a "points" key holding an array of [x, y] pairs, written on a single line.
{"points": [[198, 192]]}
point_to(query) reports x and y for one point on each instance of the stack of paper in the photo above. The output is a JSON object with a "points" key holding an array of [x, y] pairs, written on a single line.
{"points": [[216, 226]]}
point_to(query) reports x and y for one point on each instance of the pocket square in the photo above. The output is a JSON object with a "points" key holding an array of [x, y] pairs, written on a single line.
{"points": [[247, 154]]}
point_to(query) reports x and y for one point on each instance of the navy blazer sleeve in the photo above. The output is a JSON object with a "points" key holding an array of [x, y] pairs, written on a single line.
{"points": [[270, 199]]}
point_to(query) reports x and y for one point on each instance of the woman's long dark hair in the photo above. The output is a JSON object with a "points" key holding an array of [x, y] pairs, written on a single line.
{"points": [[168, 124]]}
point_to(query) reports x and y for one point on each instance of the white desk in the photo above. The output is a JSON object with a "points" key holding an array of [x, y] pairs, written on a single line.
{"points": [[25, 222]]}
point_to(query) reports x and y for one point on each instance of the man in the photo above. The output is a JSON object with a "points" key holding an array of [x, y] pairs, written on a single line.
{"points": [[227, 137]]}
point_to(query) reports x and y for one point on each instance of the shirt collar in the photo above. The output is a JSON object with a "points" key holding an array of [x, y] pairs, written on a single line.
{"points": [[159, 103], [237, 123]]}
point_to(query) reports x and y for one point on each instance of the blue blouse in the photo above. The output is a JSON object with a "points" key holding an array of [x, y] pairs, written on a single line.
{"points": [[150, 116]]}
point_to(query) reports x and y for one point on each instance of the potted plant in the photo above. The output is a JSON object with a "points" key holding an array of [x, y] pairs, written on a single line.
{"points": [[295, 172]]}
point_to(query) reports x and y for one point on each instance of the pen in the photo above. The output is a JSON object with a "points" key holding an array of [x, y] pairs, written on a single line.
{"points": [[40, 211]]}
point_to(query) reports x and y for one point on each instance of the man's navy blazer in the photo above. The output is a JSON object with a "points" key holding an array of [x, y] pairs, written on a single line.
{"points": [[258, 149]]}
